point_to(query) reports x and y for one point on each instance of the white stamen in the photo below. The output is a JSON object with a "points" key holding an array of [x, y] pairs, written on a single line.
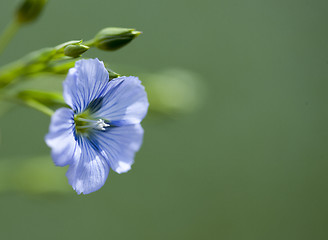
{"points": [[100, 125]]}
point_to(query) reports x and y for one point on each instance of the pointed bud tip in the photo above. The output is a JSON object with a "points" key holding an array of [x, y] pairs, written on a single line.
{"points": [[136, 33]]}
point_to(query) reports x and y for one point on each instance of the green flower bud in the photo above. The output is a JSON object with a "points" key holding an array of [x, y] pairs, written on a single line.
{"points": [[61, 47], [75, 50], [111, 39], [29, 10]]}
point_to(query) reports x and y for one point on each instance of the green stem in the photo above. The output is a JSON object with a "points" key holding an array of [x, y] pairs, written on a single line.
{"points": [[39, 106], [27, 102], [35, 62], [8, 34], [89, 43]]}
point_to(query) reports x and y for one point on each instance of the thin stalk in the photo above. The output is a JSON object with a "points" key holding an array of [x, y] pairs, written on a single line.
{"points": [[89, 43], [27, 102], [8, 34], [39, 106]]}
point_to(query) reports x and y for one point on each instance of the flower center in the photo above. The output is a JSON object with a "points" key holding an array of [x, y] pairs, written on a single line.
{"points": [[84, 123]]}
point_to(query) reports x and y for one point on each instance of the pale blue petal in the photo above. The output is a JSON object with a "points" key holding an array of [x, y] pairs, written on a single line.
{"points": [[119, 145], [61, 137], [86, 82], [89, 173], [125, 102]]}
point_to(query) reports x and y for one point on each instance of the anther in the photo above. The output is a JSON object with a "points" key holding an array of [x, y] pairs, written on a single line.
{"points": [[100, 125]]}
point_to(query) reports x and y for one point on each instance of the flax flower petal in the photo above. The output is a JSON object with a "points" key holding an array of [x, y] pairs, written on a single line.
{"points": [[87, 81], [61, 138], [125, 102], [90, 172], [119, 145]]}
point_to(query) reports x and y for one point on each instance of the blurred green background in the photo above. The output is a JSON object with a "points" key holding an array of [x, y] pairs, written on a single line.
{"points": [[250, 163]]}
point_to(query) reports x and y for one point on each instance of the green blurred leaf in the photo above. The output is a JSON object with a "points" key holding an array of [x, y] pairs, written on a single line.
{"points": [[174, 91], [36, 175]]}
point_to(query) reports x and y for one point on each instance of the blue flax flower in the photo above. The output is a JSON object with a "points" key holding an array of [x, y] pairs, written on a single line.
{"points": [[102, 128]]}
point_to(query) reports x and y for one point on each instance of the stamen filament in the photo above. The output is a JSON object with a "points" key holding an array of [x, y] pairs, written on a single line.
{"points": [[82, 127], [98, 124], [86, 120]]}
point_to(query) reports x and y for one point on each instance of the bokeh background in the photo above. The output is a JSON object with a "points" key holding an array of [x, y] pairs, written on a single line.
{"points": [[249, 163]]}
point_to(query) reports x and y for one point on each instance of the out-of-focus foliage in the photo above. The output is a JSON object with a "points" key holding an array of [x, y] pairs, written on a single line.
{"points": [[33, 176], [174, 91]]}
